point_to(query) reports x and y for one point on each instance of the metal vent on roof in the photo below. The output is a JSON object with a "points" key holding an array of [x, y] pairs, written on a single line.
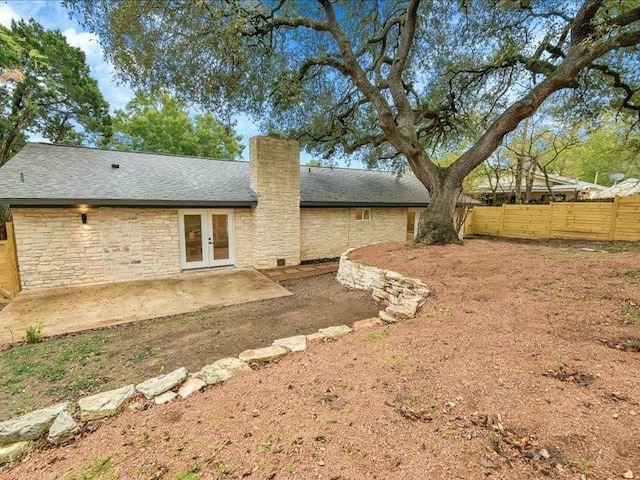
{"points": [[115, 165]]}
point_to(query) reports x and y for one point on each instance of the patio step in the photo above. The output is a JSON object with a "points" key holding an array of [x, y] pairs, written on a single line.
{"points": [[300, 271]]}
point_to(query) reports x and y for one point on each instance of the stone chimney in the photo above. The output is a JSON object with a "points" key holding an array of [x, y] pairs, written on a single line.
{"points": [[275, 177]]}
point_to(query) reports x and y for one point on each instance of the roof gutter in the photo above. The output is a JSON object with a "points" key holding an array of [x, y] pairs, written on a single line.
{"points": [[66, 202], [309, 204]]}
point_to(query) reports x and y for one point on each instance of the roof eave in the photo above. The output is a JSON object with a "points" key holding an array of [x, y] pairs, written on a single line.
{"points": [[106, 202], [343, 204]]}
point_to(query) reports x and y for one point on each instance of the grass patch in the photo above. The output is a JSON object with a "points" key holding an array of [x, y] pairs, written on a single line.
{"points": [[192, 475], [224, 468], [84, 382], [98, 469], [583, 467], [631, 312], [376, 335], [633, 275], [57, 364], [140, 354]]}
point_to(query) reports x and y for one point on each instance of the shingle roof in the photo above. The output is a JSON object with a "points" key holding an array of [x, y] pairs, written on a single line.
{"points": [[62, 175], [325, 186], [45, 174]]}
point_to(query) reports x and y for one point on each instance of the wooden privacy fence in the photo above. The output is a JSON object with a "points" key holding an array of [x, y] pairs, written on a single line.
{"points": [[9, 277], [617, 220]]}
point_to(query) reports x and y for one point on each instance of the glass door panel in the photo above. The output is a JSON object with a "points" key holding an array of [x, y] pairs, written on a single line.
{"points": [[193, 238], [220, 232]]}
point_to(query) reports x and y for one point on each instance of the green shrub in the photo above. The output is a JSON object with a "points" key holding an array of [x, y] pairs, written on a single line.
{"points": [[34, 333]]}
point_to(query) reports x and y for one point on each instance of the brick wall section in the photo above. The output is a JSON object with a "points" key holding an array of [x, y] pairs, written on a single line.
{"points": [[120, 244], [328, 232], [275, 177]]}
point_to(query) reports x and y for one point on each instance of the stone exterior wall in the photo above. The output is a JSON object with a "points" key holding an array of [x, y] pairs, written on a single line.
{"points": [[275, 177], [54, 250], [328, 232], [243, 233]]}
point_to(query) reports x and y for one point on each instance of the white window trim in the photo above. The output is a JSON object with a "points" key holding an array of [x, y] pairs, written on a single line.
{"points": [[207, 258], [364, 209]]}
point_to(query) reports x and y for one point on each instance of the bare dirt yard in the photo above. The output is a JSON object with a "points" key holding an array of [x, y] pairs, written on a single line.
{"points": [[523, 364], [71, 366]]}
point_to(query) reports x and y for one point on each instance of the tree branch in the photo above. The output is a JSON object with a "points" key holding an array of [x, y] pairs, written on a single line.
{"points": [[406, 117], [624, 19], [581, 26], [355, 72], [618, 83]]}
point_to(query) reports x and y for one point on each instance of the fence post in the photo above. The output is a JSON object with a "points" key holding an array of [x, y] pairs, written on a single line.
{"points": [[502, 220], [467, 226], [550, 220], [614, 217]]}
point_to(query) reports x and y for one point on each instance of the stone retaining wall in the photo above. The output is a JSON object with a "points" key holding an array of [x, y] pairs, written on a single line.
{"points": [[402, 296]]}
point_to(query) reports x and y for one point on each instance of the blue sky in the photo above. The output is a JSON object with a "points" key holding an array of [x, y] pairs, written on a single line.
{"points": [[52, 15]]}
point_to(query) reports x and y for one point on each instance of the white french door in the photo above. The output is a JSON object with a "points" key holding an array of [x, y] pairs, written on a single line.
{"points": [[206, 238]]}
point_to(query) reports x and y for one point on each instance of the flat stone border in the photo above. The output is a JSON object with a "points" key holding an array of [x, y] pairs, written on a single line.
{"points": [[62, 423], [402, 296]]}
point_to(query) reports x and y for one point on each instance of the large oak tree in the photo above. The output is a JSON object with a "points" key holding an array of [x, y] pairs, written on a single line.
{"points": [[391, 80]]}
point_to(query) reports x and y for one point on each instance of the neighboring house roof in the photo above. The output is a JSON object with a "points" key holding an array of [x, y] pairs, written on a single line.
{"points": [[46, 174], [568, 181], [558, 184], [630, 186]]}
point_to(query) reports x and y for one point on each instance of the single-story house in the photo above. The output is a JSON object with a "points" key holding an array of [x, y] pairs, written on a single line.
{"points": [[84, 215], [625, 188], [562, 189]]}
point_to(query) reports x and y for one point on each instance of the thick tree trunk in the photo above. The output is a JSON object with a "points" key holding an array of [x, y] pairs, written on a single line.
{"points": [[10, 137], [23, 115], [518, 179], [529, 184], [437, 222]]}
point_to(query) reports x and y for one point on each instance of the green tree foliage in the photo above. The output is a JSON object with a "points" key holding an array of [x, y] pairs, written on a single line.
{"points": [[610, 148], [390, 80], [46, 88], [586, 151], [161, 123]]}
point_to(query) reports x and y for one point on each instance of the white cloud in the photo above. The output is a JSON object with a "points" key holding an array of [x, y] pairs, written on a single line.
{"points": [[85, 41], [7, 14]]}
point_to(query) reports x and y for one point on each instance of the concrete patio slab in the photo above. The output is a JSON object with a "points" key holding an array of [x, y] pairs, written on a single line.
{"points": [[73, 309]]}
